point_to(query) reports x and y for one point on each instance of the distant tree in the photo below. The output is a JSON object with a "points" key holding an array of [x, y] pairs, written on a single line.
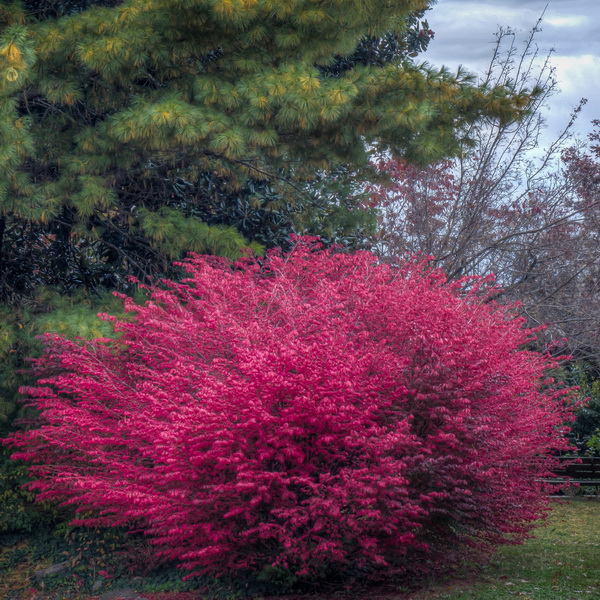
{"points": [[508, 207]]}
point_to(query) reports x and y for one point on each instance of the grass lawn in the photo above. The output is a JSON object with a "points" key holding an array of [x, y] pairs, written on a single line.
{"points": [[562, 562]]}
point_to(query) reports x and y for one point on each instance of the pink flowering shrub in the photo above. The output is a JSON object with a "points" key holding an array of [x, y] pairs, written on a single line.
{"points": [[318, 412]]}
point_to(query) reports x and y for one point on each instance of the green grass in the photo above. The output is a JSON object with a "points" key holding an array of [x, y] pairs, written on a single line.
{"points": [[562, 562]]}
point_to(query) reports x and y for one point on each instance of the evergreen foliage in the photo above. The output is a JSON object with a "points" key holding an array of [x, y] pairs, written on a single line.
{"points": [[388, 48], [101, 111], [585, 430]]}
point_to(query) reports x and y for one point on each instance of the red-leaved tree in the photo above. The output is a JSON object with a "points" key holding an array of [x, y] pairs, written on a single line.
{"points": [[320, 412], [511, 207]]}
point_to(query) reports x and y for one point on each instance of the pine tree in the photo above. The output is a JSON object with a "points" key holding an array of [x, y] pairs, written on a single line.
{"points": [[101, 110]]}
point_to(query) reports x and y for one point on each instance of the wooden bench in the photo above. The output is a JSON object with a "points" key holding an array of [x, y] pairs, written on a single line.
{"points": [[579, 474]]}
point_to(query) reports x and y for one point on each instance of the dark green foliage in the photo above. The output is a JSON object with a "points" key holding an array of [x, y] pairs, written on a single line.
{"points": [[19, 512], [51, 9], [389, 48], [259, 210], [37, 255], [585, 431], [331, 206]]}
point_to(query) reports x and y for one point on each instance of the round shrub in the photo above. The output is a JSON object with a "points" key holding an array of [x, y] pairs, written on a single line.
{"points": [[316, 412]]}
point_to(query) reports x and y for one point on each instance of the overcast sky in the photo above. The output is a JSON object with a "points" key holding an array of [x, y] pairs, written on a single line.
{"points": [[464, 34]]}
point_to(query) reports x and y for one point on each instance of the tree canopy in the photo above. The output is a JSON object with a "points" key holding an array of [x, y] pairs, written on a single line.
{"points": [[102, 109]]}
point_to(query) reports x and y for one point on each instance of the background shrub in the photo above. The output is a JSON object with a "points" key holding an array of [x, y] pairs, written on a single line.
{"points": [[310, 413]]}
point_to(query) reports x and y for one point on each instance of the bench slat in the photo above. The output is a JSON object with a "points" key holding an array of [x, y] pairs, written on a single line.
{"points": [[583, 473]]}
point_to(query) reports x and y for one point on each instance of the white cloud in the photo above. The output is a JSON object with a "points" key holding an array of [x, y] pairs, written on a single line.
{"points": [[464, 34], [578, 77], [578, 74], [566, 20]]}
